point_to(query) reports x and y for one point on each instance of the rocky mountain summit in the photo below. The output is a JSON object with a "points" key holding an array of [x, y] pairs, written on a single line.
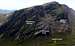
{"points": [[42, 20]]}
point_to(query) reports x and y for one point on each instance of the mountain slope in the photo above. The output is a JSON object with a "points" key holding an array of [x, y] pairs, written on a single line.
{"points": [[25, 23]]}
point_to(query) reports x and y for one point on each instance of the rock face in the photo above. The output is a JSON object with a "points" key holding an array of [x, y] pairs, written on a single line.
{"points": [[29, 22]]}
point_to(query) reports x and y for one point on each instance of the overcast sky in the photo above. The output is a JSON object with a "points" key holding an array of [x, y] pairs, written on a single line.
{"points": [[19, 4]]}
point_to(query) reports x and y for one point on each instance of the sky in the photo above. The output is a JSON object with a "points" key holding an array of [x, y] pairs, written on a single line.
{"points": [[19, 4]]}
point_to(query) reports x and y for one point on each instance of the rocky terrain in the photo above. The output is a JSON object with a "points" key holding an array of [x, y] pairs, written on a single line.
{"points": [[42, 21], [35, 19]]}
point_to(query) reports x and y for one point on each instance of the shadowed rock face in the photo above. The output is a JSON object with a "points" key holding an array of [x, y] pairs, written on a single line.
{"points": [[28, 21]]}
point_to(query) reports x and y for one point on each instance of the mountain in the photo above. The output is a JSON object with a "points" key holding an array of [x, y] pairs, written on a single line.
{"points": [[2, 11], [4, 15], [35, 21]]}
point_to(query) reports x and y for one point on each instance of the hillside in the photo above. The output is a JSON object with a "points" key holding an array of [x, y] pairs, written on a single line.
{"points": [[4, 16], [50, 20]]}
